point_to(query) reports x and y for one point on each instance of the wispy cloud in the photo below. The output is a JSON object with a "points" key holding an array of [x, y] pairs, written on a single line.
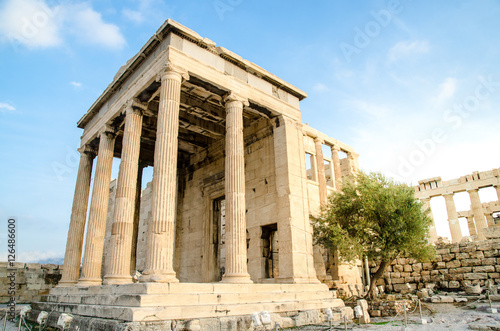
{"points": [[5, 107], [447, 90], [133, 15], [407, 48], [369, 109], [76, 84], [320, 87], [31, 23], [36, 24], [90, 28]]}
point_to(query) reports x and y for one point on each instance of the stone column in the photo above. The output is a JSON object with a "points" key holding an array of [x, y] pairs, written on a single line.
{"points": [[318, 144], [161, 229], [432, 228], [352, 158], [497, 187], [236, 246], [489, 219], [94, 242], [336, 167], [126, 189], [456, 233], [137, 216], [471, 225], [76, 231], [477, 210]]}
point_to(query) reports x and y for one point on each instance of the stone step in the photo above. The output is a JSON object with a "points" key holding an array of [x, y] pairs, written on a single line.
{"points": [[188, 299], [127, 313]]}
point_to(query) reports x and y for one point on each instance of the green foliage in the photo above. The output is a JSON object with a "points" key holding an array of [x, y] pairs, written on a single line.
{"points": [[375, 217]]}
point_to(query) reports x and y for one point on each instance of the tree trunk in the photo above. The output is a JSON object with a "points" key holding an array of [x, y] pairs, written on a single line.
{"points": [[376, 276]]}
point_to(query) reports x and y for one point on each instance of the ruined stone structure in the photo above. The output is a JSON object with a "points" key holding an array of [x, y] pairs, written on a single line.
{"points": [[223, 229], [455, 267], [480, 215]]}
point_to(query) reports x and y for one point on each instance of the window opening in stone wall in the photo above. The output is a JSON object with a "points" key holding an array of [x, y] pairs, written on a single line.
{"points": [[270, 250], [496, 218], [310, 169]]}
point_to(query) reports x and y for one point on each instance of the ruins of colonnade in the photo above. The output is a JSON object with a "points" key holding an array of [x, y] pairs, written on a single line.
{"points": [[480, 215], [236, 174]]}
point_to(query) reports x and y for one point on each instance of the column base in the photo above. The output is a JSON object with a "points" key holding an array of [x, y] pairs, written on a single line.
{"points": [[84, 282], [154, 276], [237, 279], [117, 279], [67, 283]]}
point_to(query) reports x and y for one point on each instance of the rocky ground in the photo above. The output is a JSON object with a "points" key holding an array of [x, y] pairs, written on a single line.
{"points": [[439, 316]]}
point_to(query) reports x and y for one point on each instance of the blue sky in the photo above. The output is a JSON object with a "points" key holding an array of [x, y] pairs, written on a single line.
{"points": [[413, 86]]}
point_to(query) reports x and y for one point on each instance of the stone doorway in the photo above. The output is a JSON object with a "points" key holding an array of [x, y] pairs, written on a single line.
{"points": [[270, 251]]}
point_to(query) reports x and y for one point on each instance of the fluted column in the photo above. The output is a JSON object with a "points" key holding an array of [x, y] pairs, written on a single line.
{"points": [[94, 242], [137, 216], [477, 210], [432, 228], [76, 230], [336, 167], [236, 247], [497, 188], [471, 225], [318, 144], [126, 187], [456, 233], [161, 230]]}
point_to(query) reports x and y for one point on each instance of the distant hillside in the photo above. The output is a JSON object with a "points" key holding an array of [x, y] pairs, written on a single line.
{"points": [[56, 260]]}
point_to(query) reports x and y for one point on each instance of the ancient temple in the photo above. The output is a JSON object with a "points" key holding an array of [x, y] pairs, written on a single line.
{"points": [[223, 229]]}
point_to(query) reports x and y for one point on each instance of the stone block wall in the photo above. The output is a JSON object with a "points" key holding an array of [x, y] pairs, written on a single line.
{"points": [[454, 267], [32, 280]]}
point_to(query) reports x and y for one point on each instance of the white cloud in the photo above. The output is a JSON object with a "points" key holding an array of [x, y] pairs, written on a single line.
{"points": [[406, 48], [446, 90], [31, 23], [89, 27], [319, 87], [76, 84], [369, 109], [133, 15], [4, 107], [35, 24]]}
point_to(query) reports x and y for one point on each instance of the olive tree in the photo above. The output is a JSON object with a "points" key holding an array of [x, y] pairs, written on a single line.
{"points": [[376, 217]]}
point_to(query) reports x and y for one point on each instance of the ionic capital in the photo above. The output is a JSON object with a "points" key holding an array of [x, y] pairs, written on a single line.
{"points": [[335, 148], [135, 106], [88, 149], [233, 97], [170, 69], [108, 130], [472, 190], [318, 140]]}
